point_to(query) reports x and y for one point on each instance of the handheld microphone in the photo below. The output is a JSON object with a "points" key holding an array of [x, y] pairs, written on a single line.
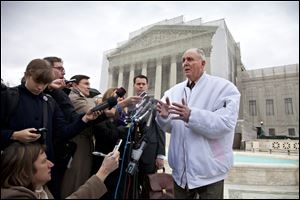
{"points": [[111, 102], [120, 92]]}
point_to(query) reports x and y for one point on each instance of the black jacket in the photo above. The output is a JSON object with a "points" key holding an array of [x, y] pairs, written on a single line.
{"points": [[29, 114], [64, 102], [156, 139]]}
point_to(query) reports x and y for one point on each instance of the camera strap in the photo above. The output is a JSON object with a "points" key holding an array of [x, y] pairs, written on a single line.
{"points": [[45, 113]]}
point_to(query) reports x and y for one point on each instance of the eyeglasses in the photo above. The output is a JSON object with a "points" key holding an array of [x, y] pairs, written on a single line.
{"points": [[59, 68]]}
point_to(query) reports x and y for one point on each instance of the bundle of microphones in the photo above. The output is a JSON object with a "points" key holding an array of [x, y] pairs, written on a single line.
{"points": [[143, 114], [144, 110]]}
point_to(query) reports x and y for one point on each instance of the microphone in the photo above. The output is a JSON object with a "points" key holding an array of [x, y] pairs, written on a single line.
{"points": [[142, 107], [138, 119], [111, 102], [144, 96], [136, 153], [120, 92], [153, 109], [132, 167], [139, 107]]}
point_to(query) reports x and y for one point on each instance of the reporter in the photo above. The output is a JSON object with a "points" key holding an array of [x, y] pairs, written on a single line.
{"points": [[25, 170], [30, 108]]}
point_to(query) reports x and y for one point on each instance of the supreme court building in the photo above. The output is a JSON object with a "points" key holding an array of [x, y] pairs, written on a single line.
{"points": [[156, 51]]}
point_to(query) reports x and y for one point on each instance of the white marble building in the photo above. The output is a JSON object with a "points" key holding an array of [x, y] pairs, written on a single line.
{"points": [[156, 51], [270, 99]]}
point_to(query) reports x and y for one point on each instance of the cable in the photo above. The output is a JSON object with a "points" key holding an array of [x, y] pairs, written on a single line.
{"points": [[129, 181], [123, 158]]}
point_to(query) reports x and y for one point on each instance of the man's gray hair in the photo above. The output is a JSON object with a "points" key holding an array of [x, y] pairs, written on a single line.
{"points": [[200, 52]]}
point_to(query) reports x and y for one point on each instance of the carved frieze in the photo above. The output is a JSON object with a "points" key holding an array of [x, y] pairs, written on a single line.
{"points": [[159, 36]]}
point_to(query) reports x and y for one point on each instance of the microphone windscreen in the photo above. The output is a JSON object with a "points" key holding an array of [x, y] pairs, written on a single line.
{"points": [[120, 92], [112, 101]]}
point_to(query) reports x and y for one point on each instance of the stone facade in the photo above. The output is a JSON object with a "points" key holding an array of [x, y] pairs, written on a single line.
{"points": [[270, 100], [156, 51]]}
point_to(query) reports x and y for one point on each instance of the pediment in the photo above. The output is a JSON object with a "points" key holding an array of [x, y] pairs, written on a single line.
{"points": [[161, 34]]}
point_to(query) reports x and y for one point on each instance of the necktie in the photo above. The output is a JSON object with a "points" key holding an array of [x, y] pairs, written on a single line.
{"points": [[191, 85]]}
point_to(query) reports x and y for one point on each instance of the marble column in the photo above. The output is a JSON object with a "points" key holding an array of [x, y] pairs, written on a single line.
{"points": [[207, 67], [110, 77], [120, 78], [130, 84], [157, 91], [173, 71], [144, 68]]}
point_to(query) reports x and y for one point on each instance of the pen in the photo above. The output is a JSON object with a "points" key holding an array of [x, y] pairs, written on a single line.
{"points": [[96, 153]]}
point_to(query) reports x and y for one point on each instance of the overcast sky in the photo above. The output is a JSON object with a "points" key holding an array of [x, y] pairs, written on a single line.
{"points": [[79, 32]]}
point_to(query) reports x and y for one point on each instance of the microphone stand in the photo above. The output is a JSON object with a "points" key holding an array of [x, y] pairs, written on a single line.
{"points": [[135, 150]]}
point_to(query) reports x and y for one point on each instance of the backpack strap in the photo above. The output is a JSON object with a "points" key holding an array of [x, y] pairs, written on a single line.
{"points": [[45, 115], [12, 101], [50, 101]]}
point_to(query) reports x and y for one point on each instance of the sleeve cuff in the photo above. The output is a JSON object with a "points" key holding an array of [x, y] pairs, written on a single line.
{"points": [[161, 157]]}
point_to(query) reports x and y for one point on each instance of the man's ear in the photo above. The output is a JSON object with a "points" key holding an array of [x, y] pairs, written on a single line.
{"points": [[203, 62]]}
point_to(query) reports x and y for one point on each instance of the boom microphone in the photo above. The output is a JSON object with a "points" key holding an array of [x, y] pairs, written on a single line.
{"points": [[111, 102]]}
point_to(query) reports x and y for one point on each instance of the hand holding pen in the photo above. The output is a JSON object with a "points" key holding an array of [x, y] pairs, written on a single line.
{"points": [[116, 148]]}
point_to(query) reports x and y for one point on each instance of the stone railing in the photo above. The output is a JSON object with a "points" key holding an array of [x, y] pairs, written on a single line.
{"points": [[272, 145]]}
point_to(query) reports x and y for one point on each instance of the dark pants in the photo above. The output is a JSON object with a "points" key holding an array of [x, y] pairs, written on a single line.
{"points": [[212, 191]]}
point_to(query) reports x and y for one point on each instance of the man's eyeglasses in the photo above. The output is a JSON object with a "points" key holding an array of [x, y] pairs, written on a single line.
{"points": [[59, 68]]}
